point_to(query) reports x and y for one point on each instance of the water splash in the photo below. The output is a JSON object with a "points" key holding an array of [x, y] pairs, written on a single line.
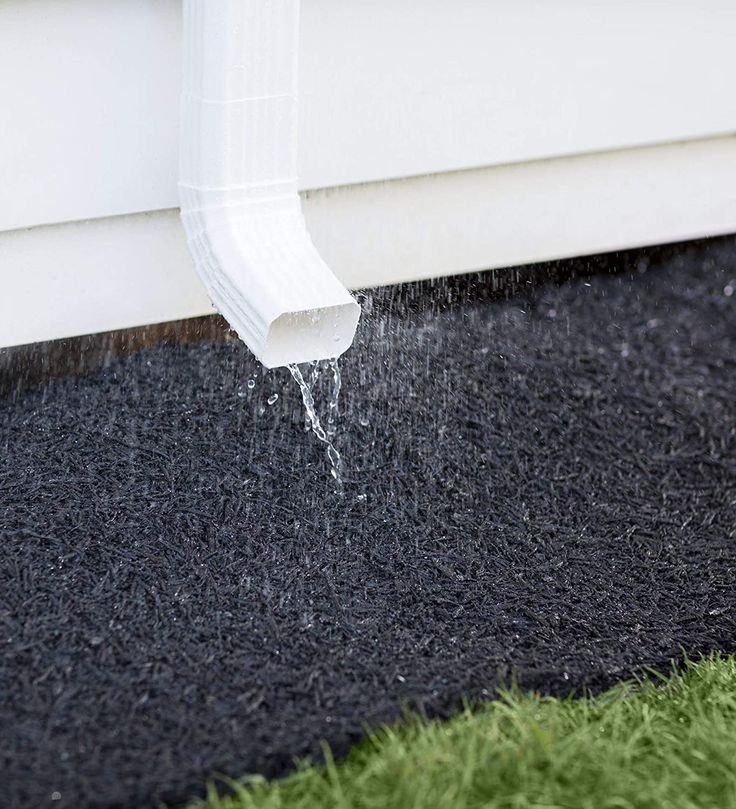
{"points": [[325, 436]]}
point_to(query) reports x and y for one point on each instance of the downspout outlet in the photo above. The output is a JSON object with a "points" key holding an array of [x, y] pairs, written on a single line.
{"points": [[238, 186]]}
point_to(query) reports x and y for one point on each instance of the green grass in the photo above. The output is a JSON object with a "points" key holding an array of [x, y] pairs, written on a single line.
{"points": [[666, 742]]}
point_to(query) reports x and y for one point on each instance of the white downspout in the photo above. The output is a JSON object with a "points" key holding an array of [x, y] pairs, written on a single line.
{"points": [[238, 189]]}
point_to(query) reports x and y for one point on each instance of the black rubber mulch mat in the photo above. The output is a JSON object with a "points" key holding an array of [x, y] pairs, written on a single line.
{"points": [[543, 487]]}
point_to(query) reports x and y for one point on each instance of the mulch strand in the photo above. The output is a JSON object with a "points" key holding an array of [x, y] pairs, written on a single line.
{"points": [[541, 488]]}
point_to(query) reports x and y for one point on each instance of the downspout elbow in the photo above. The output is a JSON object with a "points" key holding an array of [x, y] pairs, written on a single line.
{"points": [[239, 199]]}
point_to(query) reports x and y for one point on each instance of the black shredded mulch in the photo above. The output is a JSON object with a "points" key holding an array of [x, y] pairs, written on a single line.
{"points": [[543, 487]]}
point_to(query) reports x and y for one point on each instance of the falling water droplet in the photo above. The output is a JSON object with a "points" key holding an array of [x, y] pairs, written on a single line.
{"points": [[273, 399], [251, 384]]}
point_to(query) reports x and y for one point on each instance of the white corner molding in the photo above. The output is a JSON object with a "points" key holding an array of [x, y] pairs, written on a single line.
{"points": [[238, 183]]}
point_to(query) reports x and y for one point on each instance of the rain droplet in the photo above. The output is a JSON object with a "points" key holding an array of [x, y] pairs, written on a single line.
{"points": [[728, 290], [273, 399], [251, 384]]}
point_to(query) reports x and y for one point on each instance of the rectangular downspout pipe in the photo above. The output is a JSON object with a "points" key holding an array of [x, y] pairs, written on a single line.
{"points": [[238, 186]]}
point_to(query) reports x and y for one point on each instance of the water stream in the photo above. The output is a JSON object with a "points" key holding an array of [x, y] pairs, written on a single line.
{"points": [[326, 436], [333, 398]]}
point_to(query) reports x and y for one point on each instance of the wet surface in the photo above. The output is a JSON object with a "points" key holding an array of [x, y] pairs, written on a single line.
{"points": [[544, 487]]}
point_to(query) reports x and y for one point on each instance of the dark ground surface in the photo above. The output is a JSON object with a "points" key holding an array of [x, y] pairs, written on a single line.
{"points": [[545, 487]]}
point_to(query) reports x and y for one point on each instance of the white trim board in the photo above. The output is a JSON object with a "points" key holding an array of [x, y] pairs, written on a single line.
{"points": [[99, 275]]}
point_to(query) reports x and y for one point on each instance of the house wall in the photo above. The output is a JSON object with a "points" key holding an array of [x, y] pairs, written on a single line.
{"points": [[457, 96]]}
